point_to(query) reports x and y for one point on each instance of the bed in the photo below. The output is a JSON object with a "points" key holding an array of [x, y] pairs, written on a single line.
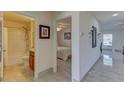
{"points": [[63, 53]]}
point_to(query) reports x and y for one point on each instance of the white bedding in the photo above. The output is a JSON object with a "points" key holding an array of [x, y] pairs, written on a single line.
{"points": [[63, 52]]}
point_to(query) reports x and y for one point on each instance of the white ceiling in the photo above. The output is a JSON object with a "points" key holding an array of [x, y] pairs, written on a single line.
{"points": [[109, 22]]}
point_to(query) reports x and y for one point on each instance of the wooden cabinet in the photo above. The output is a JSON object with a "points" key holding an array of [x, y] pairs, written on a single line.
{"points": [[31, 59]]}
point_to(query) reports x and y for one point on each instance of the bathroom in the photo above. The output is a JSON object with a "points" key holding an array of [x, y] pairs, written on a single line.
{"points": [[18, 39]]}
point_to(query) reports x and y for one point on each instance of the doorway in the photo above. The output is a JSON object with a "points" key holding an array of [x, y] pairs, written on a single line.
{"points": [[18, 36], [64, 47]]}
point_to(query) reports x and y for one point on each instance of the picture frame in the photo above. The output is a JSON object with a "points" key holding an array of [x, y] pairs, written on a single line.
{"points": [[67, 36], [94, 36], [44, 32]]}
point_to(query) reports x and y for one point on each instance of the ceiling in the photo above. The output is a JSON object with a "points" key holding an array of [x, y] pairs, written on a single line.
{"points": [[66, 22], [109, 22], [12, 16]]}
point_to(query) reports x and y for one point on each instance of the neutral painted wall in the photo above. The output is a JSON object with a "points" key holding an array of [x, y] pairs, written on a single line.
{"points": [[87, 55], [60, 37], [43, 47]]}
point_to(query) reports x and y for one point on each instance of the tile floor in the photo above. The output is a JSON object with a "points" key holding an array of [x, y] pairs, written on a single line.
{"points": [[110, 68], [21, 73], [63, 74], [53, 77], [17, 73]]}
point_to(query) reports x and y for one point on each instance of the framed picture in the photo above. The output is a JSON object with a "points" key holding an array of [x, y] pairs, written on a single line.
{"points": [[67, 36], [94, 36], [44, 32]]}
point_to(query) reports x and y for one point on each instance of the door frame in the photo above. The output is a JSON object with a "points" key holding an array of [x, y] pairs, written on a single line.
{"points": [[55, 63], [4, 63], [1, 76], [34, 24]]}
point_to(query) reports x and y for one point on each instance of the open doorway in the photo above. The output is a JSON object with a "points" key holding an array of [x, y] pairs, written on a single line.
{"points": [[18, 55], [64, 47]]}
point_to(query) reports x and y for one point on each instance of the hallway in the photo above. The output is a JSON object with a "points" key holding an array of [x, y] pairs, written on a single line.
{"points": [[109, 68]]}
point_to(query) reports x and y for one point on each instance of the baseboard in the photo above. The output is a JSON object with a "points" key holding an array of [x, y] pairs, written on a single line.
{"points": [[45, 71], [73, 80], [90, 68]]}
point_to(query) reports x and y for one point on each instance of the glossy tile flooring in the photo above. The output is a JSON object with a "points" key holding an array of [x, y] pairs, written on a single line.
{"points": [[109, 68], [21, 73], [53, 77], [62, 75], [18, 73]]}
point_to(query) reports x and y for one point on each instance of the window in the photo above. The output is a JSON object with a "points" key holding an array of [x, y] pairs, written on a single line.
{"points": [[107, 39]]}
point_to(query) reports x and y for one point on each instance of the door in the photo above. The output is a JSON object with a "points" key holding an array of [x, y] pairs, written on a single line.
{"points": [[5, 46], [1, 51]]}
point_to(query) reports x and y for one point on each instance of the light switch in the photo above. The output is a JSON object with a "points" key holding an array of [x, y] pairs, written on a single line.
{"points": [[81, 33]]}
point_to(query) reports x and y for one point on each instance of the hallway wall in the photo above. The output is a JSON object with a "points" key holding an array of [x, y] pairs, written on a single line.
{"points": [[88, 55]]}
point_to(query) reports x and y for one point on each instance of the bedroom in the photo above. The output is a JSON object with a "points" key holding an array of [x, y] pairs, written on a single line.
{"points": [[64, 55]]}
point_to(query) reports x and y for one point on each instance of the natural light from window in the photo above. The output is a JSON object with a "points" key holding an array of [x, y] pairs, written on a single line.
{"points": [[107, 39]]}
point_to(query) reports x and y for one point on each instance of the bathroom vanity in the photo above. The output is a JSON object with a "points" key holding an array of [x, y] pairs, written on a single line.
{"points": [[31, 59]]}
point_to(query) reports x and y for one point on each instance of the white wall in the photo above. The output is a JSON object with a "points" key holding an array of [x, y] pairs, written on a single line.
{"points": [[43, 47], [60, 37], [88, 55]]}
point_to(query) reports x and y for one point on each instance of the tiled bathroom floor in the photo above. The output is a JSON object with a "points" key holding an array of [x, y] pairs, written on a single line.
{"points": [[17, 73]]}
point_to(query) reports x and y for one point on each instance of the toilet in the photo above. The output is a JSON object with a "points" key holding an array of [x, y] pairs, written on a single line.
{"points": [[25, 60]]}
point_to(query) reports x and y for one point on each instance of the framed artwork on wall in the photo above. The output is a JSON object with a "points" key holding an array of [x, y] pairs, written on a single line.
{"points": [[94, 36], [44, 32], [67, 36]]}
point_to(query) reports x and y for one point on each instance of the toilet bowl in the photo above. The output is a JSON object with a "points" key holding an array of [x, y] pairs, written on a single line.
{"points": [[25, 60]]}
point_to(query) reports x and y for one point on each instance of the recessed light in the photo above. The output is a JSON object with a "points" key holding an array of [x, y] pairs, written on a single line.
{"points": [[115, 15]]}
